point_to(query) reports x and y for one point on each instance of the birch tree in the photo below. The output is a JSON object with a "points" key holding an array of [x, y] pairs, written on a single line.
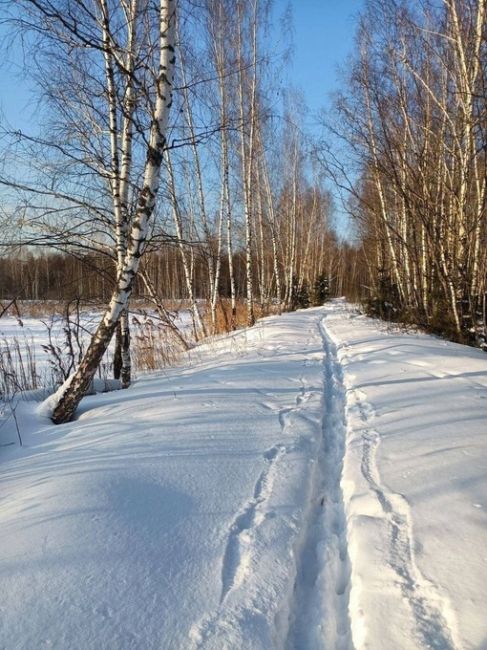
{"points": [[123, 59], [413, 117], [70, 396]]}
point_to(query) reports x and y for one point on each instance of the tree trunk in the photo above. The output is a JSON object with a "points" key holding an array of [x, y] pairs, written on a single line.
{"points": [[76, 386]]}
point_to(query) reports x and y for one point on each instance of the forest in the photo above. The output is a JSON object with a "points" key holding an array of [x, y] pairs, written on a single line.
{"points": [[170, 162], [243, 324]]}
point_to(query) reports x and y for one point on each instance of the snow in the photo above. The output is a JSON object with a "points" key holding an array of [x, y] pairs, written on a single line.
{"points": [[317, 481], [31, 335], [415, 484]]}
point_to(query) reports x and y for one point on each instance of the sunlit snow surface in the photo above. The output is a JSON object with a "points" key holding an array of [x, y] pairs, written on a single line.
{"points": [[318, 481], [29, 336]]}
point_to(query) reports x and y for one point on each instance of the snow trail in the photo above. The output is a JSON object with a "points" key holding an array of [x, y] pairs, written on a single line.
{"points": [[246, 535], [429, 609], [309, 484], [237, 558], [319, 610]]}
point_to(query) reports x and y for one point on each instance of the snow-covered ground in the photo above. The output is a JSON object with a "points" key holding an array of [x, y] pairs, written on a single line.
{"points": [[27, 340], [317, 481], [28, 337]]}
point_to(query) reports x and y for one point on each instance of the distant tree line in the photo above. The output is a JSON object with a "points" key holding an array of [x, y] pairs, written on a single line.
{"points": [[64, 277]]}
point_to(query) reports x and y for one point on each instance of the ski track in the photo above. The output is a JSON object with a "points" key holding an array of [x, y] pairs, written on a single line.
{"points": [[238, 556], [318, 616], [430, 611], [318, 610]]}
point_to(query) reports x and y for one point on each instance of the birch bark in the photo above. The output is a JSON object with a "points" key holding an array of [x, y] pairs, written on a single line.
{"points": [[77, 385]]}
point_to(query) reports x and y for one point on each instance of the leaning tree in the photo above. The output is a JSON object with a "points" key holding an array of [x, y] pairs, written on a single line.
{"points": [[107, 69]]}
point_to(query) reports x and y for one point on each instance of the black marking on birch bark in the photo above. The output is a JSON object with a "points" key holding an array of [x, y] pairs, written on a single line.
{"points": [[145, 195], [147, 210], [163, 77], [154, 156]]}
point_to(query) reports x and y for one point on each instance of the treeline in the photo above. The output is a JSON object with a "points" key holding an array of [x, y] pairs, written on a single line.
{"points": [[414, 120], [63, 277]]}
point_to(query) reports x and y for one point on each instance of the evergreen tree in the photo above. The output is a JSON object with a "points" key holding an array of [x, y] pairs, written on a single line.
{"points": [[320, 291]]}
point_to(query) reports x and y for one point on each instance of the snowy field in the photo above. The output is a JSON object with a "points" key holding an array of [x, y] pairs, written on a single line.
{"points": [[27, 338], [318, 481], [30, 335]]}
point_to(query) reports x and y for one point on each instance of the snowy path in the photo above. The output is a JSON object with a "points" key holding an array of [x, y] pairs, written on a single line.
{"points": [[319, 616], [316, 482], [415, 486]]}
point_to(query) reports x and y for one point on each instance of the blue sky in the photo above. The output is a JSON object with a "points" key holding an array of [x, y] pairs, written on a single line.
{"points": [[324, 33], [323, 36]]}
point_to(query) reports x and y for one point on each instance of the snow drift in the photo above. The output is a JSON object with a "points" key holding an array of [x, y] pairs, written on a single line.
{"points": [[316, 481]]}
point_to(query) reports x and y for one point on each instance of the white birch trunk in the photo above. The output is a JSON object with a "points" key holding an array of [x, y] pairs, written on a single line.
{"points": [[77, 385]]}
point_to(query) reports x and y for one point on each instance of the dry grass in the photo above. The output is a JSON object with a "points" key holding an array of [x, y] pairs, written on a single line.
{"points": [[40, 309], [46, 308], [154, 345], [18, 368], [43, 309], [223, 322]]}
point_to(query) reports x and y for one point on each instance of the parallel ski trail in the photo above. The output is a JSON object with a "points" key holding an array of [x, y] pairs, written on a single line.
{"points": [[237, 557], [427, 605], [319, 615]]}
